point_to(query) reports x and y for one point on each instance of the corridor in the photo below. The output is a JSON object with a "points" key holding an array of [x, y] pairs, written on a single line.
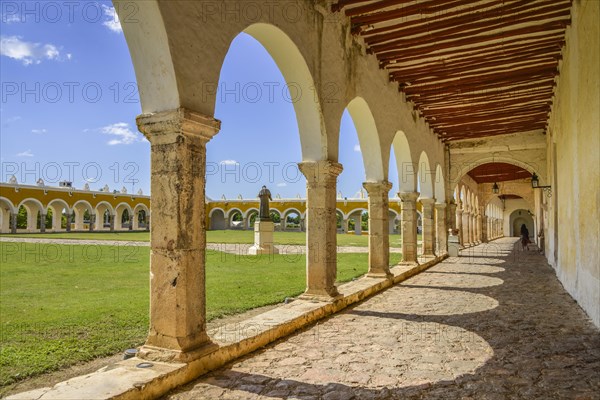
{"points": [[492, 324]]}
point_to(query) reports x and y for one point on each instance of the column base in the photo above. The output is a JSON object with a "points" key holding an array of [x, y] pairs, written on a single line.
{"points": [[152, 353], [258, 250], [321, 296], [380, 275]]}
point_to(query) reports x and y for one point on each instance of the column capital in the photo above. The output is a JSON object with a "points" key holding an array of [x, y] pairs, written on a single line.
{"points": [[320, 171], [427, 201], [408, 196], [377, 188], [169, 126], [440, 206]]}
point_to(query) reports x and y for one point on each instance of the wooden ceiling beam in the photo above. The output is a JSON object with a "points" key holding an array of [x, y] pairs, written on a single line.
{"points": [[485, 81], [463, 105], [552, 45], [421, 21], [420, 8], [492, 19], [473, 29], [375, 6], [398, 53], [477, 95], [473, 68], [516, 43]]}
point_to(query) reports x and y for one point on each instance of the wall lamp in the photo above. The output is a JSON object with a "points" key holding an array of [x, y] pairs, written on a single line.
{"points": [[535, 183], [495, 188]]}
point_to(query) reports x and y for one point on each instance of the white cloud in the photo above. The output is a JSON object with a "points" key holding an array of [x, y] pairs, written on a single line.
{"points": [[26, 153], [38, 131], [28, 52], [357, 148], [122, 131], [281, 184], [112, 19], [10, 18], [228, 162]]}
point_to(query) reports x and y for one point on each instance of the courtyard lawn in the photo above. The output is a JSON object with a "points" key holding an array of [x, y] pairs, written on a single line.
{"points": [[224, 236], [63, 304]]}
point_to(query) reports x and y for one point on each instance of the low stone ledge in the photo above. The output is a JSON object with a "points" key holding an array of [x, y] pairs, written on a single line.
{"points": [[124, 380]]}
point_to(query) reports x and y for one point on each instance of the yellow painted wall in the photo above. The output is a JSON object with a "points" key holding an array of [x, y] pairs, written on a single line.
{"points": [[573, 227], [16, 194]]}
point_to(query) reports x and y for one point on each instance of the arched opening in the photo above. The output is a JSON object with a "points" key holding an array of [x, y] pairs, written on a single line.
{"points": [[276, 218], [251, 216], [123, 213], [291, 220], [404, 167], [217, 220], [29, 215], [358, 221], [517, 219], [105, 217], [140, 217], [235, 219], [57, 211], [6, 210], [82, 217]]}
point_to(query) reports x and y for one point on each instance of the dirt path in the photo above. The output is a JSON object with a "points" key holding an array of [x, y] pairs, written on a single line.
{"points": [[233, 248]]}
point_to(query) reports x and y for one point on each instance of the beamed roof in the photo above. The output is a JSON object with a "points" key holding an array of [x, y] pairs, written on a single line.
{"points": [[498, 172], [473, 68]]}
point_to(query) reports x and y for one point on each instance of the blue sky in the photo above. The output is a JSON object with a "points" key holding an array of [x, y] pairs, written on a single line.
{"points": [[69, 104]]}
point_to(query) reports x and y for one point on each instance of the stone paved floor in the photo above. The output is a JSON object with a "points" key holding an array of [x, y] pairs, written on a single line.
{"points": [[493, 324]]}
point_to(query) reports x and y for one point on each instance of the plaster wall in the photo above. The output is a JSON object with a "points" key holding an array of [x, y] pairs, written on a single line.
{"points": [[191, 40], [573, 235]]}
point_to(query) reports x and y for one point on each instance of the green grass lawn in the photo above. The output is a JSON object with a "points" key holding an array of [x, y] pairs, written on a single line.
{"points": [[63, 304], [225, 236]]}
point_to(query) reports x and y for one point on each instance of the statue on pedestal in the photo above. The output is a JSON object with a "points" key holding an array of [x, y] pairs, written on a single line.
{"points": [[263, 227], [264, 211]]}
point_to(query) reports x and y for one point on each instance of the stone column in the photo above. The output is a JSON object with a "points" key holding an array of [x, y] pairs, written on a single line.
{"points": [[484, 232], [441, 229], [466, 232], [428, 227], [321, 228], [42, 222], [147, 222], [302, 225], [345, 222], [409, 226], [379, 239], [92, 222], [479, 229], [69, 218], [475, 236], [244, 223], [13, 222], [358, 225], [459, 225], [451, 216], [111, 220], [178, 241]]}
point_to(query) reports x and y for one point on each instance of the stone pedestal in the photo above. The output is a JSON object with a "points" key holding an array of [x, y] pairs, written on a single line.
{"points": [[453, 246], [379, 240], [178, 238], [409, 227], [263, 239], [321, 229]]}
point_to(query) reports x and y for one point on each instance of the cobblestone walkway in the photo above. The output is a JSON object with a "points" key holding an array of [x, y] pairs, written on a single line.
{"points": [[492, 324]]}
